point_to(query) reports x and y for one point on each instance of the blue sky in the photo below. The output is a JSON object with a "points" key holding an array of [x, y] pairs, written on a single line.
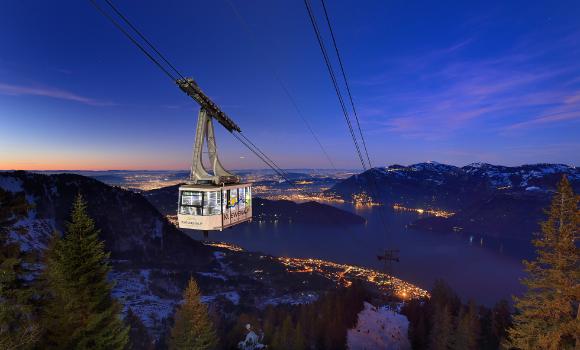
{"points": [[455, 82]]}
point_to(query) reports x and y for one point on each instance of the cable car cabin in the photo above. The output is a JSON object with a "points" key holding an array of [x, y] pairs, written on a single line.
{"points": [[210, 207]]}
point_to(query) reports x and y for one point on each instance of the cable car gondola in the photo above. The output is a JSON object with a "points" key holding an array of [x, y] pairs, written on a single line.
{"points": [[217, 199]]}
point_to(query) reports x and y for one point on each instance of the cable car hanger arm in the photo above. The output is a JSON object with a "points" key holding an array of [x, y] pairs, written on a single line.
{"points": [[190, 87]]}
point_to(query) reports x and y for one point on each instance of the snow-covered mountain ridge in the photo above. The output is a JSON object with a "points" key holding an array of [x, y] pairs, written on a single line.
{"points": [[445, 186], [500, 176], [491, 200]]}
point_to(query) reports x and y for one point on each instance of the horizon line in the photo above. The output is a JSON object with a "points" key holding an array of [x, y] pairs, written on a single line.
{"points": [[293, 168]]}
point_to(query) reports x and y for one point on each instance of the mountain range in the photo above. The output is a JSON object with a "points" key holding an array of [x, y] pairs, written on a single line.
{"points": [[491, 200]]}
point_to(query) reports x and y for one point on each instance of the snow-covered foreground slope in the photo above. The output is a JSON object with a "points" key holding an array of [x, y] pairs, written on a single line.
{"points": [[152, 260], [379, 328]]}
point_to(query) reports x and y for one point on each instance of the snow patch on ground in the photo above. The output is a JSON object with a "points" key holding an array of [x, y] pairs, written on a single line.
{"points": [[291, 299], [10, 184], [232, 296], [379, 328], [499, 179], [213, 275], [224, 267], [32, 234], [134, 290]]}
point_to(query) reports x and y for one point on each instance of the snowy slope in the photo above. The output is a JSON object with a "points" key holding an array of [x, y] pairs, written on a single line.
{"points": [[151, 260], [379, 329], [397, 182]]}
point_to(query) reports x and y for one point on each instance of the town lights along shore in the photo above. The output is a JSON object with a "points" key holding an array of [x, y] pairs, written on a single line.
{"points": [[215, 199]]}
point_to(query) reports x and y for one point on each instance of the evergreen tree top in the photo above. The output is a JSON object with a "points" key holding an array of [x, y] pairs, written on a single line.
{"points": [[193, 328], [81, 223], [548, 315], [81, 312]]}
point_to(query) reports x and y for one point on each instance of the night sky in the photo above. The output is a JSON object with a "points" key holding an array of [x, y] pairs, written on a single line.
{"points": [[454, 82]]}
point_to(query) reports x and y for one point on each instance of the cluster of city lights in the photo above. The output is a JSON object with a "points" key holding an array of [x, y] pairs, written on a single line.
{"points": [[303, 182], [345, 274], [342, 273], [224, 245], [305, 197], [363, 200], [259, 189], [172, 219], [147, 182], [434, 212], [155, 184]]}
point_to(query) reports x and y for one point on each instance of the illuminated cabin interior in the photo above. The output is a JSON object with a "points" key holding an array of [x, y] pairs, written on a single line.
{"points": [[208, 208]]}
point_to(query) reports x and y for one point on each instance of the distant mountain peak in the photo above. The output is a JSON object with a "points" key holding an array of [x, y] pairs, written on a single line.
{"points": [[478, 165], [437, 179]]}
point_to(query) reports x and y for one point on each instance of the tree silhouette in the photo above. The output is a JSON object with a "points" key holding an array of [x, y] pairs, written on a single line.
{"points": [[193, 328], [548, 316], [81, 312]]}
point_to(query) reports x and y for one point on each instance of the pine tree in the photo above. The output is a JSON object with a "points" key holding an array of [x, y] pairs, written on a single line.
{"points": [[19, 328], [138, 335], [193, 328], [467, 331], [500, 322], [416, 313], [441, 329], [81, 312], [300, 342], [288, 334], [548, 315], [270, 319]]}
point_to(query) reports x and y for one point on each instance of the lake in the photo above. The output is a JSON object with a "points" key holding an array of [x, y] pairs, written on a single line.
{"points": [[475, 267]]}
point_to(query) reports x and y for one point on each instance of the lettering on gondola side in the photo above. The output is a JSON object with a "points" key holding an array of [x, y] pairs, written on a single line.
{"points": [[236, 214], [190, 222]]}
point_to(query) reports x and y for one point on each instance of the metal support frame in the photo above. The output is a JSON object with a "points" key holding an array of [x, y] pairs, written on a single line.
{"points": [[205, 133], [389, 256]]}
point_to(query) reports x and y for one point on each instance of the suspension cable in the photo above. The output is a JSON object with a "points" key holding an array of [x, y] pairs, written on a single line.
{"points": [[346, 83], [267, 59], [250, 145], [373, 186], [143, 37], [260, 154], [334, 80], [120, 28]]}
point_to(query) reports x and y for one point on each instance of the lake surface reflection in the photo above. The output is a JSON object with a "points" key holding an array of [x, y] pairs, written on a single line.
{"points": [[479, 268]]}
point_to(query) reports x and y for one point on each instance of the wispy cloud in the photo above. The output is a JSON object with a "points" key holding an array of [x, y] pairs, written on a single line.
{"points": [[17, 90], [444, 93], [563, 115], [416, 63]]}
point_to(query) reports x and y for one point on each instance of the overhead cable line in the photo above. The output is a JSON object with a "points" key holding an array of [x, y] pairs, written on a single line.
{"points": [[135, 42], [260, 154], [346, 83], [373, 186], [278, 78], [250, 145], [334, 80], [143, 37]]}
